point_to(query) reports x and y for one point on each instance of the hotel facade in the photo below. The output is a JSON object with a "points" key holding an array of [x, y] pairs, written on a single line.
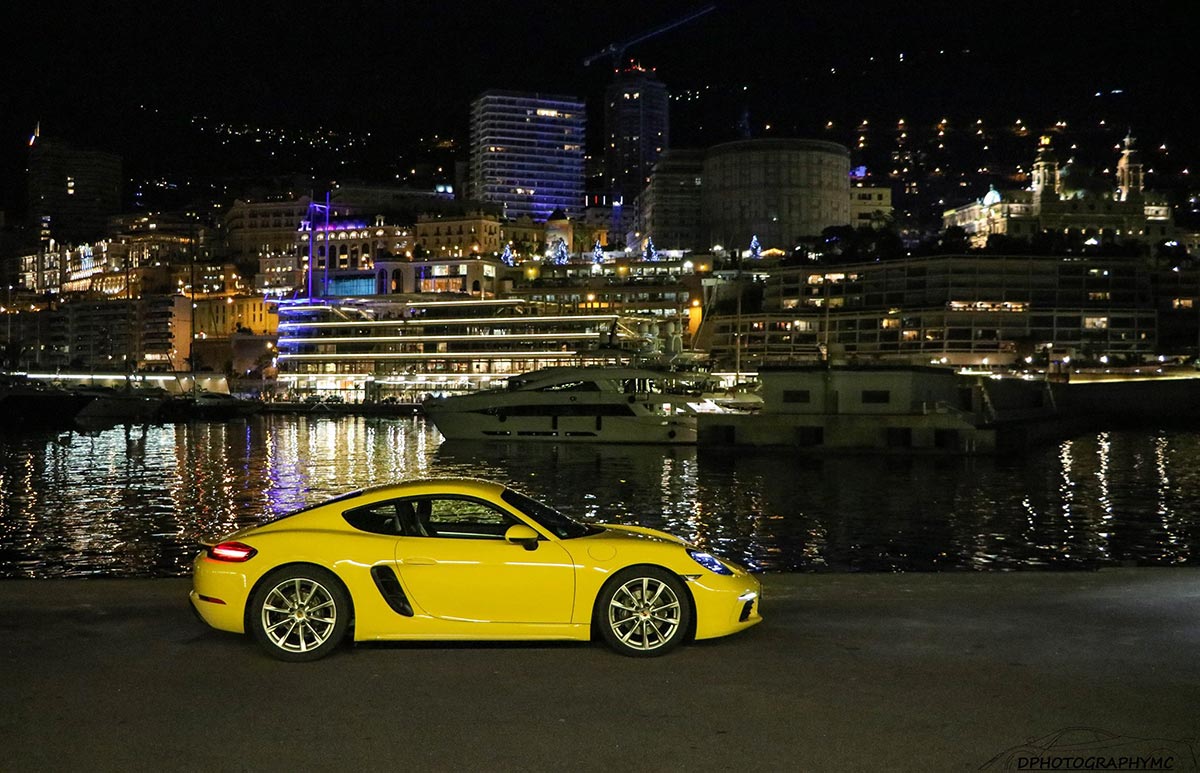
{"points": [[527, 153]]}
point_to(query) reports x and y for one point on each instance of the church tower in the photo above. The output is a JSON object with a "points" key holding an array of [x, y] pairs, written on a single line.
{"points": [[1129, 172], [1045, 173]]}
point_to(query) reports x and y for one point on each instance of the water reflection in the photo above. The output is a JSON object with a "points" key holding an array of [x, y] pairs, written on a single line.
{"points": [[133, 501]]}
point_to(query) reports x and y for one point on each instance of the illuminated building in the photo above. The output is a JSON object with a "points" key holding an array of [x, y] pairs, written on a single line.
{"points": [[661, 291], [275, 233], [525, 237], [578, 234], [115, 335], [870, 206], [527, 153], [221, 317], [49, 267], [235, 334], [482, 277], [143, 256], [476, 233], [637, 131], [265, 230], [370, 348], [956, 309], [72, 191], [342, 251], [1056, 204]]}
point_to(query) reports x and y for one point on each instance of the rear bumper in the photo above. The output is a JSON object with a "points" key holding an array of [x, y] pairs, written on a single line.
{"points": [[216, 614], [219, 594]]}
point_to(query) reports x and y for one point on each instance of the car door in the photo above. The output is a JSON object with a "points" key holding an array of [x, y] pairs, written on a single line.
{"points": [[457, 565]]}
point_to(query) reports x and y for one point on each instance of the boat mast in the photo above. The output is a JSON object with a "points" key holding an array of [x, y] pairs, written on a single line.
{"points": [[192, 315]]}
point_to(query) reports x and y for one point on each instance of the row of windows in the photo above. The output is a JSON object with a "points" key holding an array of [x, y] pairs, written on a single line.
{"points": [[437, 231], [956, 340], [458, 367], [866, 396]]}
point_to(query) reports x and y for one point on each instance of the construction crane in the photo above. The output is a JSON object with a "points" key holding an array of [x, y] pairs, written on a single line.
{"points": [[617, 50]]}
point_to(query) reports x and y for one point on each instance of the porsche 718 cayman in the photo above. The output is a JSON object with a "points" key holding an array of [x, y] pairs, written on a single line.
{"points": [[463, 559]]}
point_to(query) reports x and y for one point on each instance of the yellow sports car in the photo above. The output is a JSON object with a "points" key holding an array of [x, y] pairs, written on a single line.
{"points": [[463, 559]]}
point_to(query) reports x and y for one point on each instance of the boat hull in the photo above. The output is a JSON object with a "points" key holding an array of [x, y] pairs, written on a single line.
{"points": [[223, 410], [119, 407], [471, 425], [22, 409]]}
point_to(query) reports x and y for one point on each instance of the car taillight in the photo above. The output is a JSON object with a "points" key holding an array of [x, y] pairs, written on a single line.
{"points": [[231, 551]]}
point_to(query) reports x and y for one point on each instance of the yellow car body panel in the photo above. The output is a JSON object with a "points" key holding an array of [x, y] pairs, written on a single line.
{"points": [[465, 588], [488, 580]]}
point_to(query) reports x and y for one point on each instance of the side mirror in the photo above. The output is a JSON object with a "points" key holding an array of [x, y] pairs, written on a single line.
{"points": [[523, 535]]}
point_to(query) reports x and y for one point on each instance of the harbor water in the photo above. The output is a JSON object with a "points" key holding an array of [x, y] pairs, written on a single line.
{"points": [[133, 501]]}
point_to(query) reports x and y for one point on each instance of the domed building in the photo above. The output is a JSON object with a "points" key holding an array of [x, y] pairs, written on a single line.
{"points": [[1066, 199]]}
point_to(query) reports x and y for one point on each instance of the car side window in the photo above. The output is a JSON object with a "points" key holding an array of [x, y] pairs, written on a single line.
{"points": [[462, 518], [379, 518]]}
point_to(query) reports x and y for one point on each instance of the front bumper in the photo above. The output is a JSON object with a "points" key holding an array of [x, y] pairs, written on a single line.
{"points": [[725, 604]]}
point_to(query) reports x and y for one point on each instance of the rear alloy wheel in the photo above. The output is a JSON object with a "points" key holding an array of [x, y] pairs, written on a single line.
{"points": [[643, 611], [299, 613]]}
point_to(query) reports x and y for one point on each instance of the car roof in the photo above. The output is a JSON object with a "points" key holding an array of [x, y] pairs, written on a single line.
{"points": [[385, 491], [448, 485]]}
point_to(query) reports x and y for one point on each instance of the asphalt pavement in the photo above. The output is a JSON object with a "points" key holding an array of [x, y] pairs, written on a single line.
{"points": [[921, 672]]}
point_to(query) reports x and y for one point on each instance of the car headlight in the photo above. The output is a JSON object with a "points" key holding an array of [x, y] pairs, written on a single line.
{"points": [[709, 562]]}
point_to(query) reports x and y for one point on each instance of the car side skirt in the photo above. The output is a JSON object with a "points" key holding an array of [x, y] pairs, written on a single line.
{"points": [[424, 628]]}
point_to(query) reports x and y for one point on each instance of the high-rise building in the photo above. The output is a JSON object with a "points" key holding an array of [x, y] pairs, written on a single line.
{"points": [[637, 131], [527, 153], [72, 192], [669, 207]]}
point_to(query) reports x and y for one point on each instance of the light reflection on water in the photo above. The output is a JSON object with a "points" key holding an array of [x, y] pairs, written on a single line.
{"points": [[133, 501]]}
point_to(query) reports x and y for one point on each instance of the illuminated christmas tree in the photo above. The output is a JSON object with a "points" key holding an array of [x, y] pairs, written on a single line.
{"points": [[650, 252], [755, 247], [560, 255], [597, 253], [507, 257]]}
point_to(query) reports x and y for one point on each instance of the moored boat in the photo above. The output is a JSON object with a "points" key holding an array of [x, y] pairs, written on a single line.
{"points": [[577, 405], [26, 404], [219, 405], [114, 405]]}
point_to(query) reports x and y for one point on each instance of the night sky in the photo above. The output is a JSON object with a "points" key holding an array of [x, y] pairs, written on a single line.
{"points": [[95, 74]]}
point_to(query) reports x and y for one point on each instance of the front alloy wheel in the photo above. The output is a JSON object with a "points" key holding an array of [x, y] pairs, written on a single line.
{"points": [[299, 613], [643, 612]]}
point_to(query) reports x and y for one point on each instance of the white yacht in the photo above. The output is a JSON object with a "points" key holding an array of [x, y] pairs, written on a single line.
{"points": [[577, 405]]}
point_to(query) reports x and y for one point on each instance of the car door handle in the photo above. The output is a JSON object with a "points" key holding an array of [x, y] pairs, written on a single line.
{"points": [[418, 561]]}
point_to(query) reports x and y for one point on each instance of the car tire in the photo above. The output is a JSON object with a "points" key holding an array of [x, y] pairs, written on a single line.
{"points": [[299, 613], [643, 611]]}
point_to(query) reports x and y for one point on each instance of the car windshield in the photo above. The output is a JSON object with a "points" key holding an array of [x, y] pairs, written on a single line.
{"points": [[547, 517]]}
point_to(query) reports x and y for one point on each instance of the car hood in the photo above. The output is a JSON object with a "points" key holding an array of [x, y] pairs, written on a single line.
{"points": [[641, 532]]}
